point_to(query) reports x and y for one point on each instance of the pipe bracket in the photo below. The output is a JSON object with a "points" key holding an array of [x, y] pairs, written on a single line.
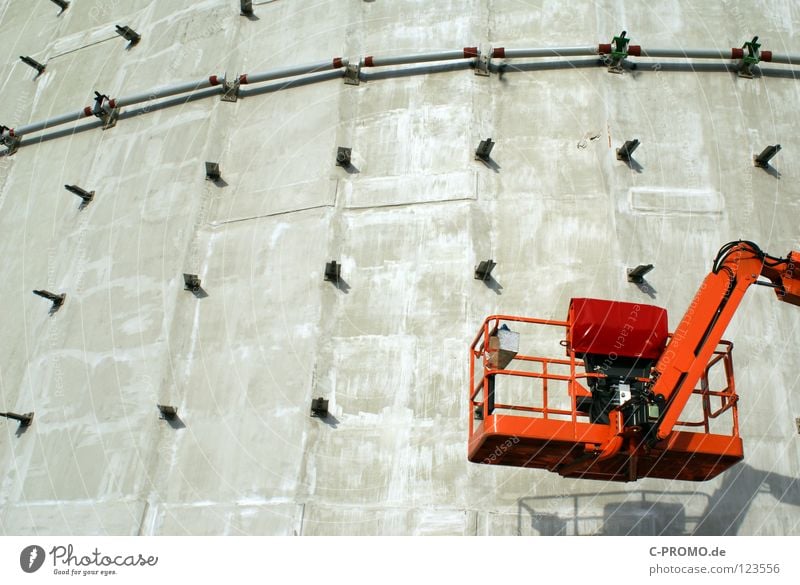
{"points": [[482, 64], [105, 110], [9, 140], [352, 74], [749, 60], [619, 52], [230, 90], [109, 118]]}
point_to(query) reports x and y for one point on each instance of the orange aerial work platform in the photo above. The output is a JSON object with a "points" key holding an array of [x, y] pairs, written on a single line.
{"points": [[561, 438], [628, 400]]}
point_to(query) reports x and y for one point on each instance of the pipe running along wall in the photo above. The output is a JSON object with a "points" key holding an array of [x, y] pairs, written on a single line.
{"points": [[168, 91], [336, 63], [465, 53], [12, 135], [503, 53]]}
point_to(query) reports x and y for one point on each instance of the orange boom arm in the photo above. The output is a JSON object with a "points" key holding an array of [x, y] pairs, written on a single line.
{"points": [[738, 265]]}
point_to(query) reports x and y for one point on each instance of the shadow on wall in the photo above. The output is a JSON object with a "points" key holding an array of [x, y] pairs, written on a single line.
{"points": [[729, 505], [638, 513], [656, 513]]}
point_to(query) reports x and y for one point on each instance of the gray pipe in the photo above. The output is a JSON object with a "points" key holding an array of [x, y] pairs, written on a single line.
{"points": [[688, 53], [166, 91], [418, 58], [554, 52], [466, 53], [293, 71], [170, 90], [57, 121], [157, 93], [785, 59]]}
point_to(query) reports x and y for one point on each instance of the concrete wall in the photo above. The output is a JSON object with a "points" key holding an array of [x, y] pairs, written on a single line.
{"points": [[561, 216]]}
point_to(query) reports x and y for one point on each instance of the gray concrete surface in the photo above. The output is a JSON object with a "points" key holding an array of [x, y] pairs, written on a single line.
{"points": [[560, 215]]}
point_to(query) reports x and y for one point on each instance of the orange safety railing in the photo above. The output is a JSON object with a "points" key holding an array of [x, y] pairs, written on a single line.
{"points": [[727, 395], [479, 355], [483, 375]]}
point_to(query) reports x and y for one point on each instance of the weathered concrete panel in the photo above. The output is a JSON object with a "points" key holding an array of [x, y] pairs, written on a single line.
{"points": [[61, 518], [241, 519]]}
